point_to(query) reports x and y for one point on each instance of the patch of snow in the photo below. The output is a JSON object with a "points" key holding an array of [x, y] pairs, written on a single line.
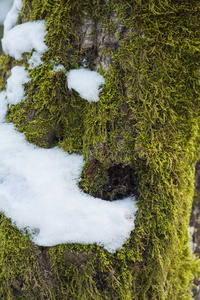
{"points": [[59, 68], [5, 6], [24, 38], [12, 16], [15, 90], [87, 83], [35, 60]]}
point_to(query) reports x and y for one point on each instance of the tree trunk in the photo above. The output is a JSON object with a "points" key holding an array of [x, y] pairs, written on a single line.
{"points": [[140, 139]]}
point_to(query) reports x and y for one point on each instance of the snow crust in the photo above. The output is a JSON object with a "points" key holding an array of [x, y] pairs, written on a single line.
{"points": [[5, 6], [87, 83], [24, 38], [12, 16]]}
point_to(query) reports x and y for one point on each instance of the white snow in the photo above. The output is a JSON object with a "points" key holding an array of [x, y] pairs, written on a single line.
{"points": [[35, 60], [15, 90], [12, 16], [87, 83], [38, 190], [19, 39], [5, 6], [24, 38], [59, 68]]}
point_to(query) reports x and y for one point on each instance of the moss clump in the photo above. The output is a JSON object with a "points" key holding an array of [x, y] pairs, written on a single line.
{"points": [[147, 118]]}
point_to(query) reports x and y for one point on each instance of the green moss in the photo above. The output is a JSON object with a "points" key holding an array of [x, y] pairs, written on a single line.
{"points": [[88, 272], [21, 265], [5, 62], [147, 117]]}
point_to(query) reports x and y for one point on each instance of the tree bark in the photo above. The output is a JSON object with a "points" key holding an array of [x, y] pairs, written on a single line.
{"points": [[140, 139]]}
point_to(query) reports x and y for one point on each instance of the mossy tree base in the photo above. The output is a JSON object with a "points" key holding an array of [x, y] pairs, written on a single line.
{"points": [[147, 120]]}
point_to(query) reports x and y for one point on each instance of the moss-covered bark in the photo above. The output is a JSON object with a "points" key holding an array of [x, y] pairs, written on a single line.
{"points": [[147, 119]]}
